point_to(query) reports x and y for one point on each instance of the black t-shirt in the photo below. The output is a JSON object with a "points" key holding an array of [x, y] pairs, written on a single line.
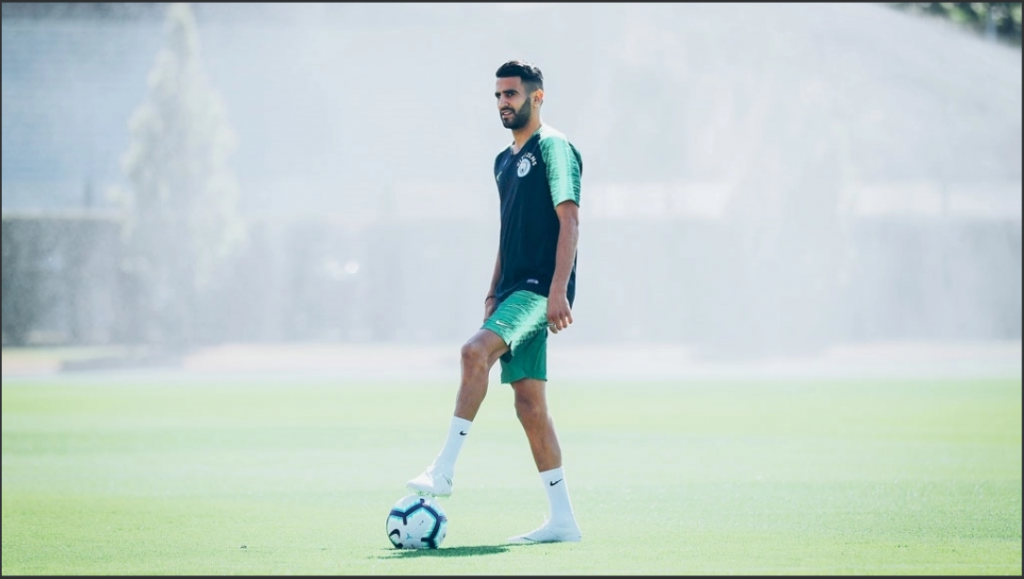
{"points": [[531, 183]]}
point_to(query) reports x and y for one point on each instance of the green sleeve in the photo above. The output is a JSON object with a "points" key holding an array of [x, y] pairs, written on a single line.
{"points": [[563, 167]]}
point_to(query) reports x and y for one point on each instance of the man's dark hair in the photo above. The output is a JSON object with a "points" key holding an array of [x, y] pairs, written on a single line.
{"points": [[531, 76]]}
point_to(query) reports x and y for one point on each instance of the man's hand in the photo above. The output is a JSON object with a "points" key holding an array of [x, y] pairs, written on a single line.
{"points": [[559, 312], [490, 304]]}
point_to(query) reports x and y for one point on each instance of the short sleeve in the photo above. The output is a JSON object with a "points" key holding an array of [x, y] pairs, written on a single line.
{"points": [[564, 168]]}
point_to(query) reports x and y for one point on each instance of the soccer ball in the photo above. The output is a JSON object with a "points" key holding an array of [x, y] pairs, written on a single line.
{"points": [[416, 522]]}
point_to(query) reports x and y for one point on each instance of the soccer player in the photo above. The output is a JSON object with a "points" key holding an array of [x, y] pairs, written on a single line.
{"points": [[531, 293]]}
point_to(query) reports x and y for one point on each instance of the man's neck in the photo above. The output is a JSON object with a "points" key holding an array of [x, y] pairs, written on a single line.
{"points": [[520, 136]]}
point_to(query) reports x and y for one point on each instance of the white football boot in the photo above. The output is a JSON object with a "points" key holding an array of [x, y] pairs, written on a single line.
{"points": [[550, 533], [433, 482]]}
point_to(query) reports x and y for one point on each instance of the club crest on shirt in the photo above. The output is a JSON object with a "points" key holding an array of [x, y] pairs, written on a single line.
{"points": [[525, 163]]}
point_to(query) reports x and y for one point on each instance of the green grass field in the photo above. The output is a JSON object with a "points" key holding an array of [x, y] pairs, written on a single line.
{"points": [[156, 475]]}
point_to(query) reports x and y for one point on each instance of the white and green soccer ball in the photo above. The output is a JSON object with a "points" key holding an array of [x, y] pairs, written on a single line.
{"points": [[417, 522]]}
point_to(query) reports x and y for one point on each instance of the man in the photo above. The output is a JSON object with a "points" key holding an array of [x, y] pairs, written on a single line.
{"points": [[531, 292]]}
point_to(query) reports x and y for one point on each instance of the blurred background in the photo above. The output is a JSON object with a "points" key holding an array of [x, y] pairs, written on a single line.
{"points": [[759, 179]]}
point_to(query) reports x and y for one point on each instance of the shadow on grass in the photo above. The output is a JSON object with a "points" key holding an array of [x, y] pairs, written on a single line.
{"points": [[445, 552]]}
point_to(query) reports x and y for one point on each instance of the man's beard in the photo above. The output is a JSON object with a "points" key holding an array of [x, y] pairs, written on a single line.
{"points": [[519, 119]]}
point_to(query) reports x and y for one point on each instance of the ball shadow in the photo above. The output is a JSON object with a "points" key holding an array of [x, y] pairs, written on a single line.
{"points": [[470, 551]]}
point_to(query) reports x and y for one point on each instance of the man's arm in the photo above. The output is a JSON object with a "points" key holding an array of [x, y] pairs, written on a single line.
{"points": [[564, 169], [559, 312], [490, 302]]}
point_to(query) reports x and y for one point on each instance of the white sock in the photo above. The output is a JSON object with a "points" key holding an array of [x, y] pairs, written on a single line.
{"points": [[457, 432], [558, 497]]}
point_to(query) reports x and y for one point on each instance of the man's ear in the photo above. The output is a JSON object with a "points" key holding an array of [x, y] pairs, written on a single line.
{"points": [[538, 96]]}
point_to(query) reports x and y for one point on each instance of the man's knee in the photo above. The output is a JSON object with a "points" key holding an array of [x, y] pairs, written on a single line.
{"points": [[529, 401], [474, 353], [484, 348]]}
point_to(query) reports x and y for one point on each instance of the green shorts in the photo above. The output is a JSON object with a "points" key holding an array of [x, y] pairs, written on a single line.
{"points": [[522, 322]]}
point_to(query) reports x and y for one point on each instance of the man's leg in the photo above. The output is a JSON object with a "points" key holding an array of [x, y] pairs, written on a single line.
{"points": [[479, 354], [478, 357], [532, 410]]}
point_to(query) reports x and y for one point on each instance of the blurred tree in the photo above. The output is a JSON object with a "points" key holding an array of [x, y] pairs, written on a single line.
{"points": [[995, 19], [20, 284], [181, 221]]}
